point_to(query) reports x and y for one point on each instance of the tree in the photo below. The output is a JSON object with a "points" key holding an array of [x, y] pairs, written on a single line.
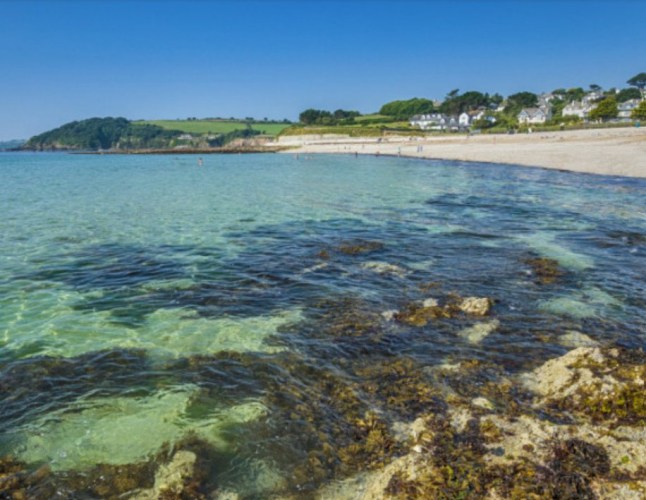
{"points": [[313, 116], [520, 100], [639, 113], [605, 110], [405, 109], [594, 87], [628, 94], [638, 81], [574, 94], [525, 99], [557, 108], [496, 100]]}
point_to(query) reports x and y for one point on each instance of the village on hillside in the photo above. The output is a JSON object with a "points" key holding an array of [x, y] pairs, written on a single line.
{"points": [[474, 111], [559, 107]]}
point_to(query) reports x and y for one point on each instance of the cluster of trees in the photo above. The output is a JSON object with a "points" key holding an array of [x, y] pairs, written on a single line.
{"points": [[403, 110], [322, 117], [456, 103], [101, 133]]}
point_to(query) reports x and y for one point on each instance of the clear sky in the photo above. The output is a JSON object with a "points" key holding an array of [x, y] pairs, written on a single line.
{"points": [[75, 59]]}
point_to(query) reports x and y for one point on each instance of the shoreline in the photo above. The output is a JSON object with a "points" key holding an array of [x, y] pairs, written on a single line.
{"points": [[614, 152]]}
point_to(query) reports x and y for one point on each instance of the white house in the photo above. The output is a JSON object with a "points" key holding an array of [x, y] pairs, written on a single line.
{"points": [[427, 122], [593, 96], [464, 120], [467, 118], [435, 121], [578, 108], [545, 99], [534, 115], [626, 109]]}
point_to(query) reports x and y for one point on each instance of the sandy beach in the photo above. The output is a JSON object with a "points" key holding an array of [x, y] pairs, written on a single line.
{"points": [[619, 151]]}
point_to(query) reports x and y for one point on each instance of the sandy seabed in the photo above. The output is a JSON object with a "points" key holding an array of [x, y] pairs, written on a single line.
{"points": [[618, 151]]}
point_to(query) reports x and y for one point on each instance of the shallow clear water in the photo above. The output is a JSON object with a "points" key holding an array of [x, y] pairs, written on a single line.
{"points": [[144, 300]]}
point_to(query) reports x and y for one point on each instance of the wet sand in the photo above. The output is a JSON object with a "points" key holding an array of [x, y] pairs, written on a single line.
{"points": [[619, 151]]}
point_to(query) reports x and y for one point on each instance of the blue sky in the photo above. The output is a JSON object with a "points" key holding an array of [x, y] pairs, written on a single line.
{"points": [[69, 60]]}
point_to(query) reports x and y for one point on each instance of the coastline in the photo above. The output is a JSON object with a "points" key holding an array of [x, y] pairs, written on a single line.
{"points": [[618, 151]]}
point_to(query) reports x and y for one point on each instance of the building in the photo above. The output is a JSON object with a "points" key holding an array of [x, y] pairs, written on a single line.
{"points": [[626, 109], [534, 116], [578, 108], [464, 120], [431, 121], [435, 121], [593, 96]]}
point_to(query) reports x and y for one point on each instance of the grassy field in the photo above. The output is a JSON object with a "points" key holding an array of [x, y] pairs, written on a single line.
{"points": [[215, 126], [374, 116]]}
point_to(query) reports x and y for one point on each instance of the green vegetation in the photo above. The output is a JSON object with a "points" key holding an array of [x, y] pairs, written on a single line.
{"points": [[322, 117], [403, 110], [627, 94], [520, 100], [638, 81], [454, 104], [217, 126], [120, 134], [101, 133], [606, 110], [639, 113]]}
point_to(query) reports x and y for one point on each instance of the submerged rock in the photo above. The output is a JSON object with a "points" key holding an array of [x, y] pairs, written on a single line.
{"points": [[384, 268], [476, 333], [171, 478], [360, 247], [574, 339], [546, 270]]}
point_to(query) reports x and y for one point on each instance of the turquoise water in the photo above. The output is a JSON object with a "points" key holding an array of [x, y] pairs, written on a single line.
{"points": [[145, 301]]}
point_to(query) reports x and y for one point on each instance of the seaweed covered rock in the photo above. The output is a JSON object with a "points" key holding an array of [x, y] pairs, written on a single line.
{"points": [[546, 271], [594, 385], [420, 313], [171, 478], [18, 483], [360, 247], [491, 442], [415, 314]]}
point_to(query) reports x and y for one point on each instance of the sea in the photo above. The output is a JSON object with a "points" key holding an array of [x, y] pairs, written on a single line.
{"points": [[253, 308]]}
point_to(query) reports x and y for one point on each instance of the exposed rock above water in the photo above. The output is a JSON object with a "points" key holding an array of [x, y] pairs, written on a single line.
{"points": [[477, 451], [419, 314]]}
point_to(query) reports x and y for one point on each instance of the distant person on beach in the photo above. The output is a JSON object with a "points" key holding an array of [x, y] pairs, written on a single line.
{"points": [[200, 162]]}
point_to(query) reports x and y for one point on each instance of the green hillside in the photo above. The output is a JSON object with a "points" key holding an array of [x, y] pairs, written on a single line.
{"points": [[120, 134], [100, 134], [216, 126]]}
